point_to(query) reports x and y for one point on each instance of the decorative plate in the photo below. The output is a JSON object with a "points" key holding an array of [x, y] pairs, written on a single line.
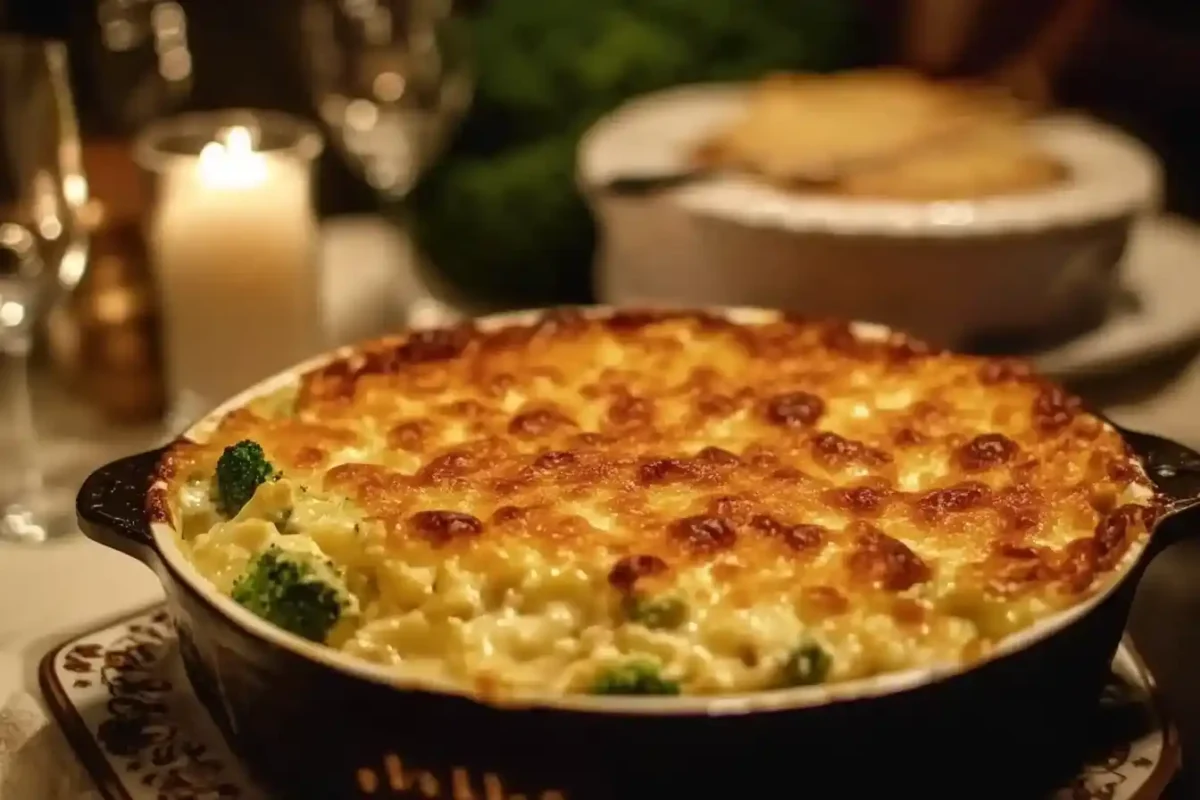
{"points": [[125, 704], [1156, 313]]}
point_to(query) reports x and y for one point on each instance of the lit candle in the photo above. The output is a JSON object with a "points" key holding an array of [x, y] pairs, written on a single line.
{"points": [[234, 242]]}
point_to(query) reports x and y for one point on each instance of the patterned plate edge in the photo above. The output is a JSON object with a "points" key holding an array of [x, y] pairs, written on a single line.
{"points": [[72, 724], [111, 787], [1171, 759]]}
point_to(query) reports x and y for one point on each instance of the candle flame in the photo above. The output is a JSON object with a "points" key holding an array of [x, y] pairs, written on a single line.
{"points": [[232, 162], [238, 140]]}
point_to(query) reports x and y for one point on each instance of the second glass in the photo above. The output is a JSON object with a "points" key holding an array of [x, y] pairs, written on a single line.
{"points": [[42, 188], [391, 80]]}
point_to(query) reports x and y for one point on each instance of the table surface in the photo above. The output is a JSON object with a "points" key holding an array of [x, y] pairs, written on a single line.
{"points": [[52, 591]]}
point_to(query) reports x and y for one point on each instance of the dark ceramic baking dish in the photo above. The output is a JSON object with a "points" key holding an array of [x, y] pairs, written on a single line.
{"points": [[312, 723]]}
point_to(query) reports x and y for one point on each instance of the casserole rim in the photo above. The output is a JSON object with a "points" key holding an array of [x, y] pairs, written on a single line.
{"points": [[165, 541]]}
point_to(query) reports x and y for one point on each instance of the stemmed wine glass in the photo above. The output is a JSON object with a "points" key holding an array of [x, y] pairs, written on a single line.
{"points": [[42, 188], [391, 80]]}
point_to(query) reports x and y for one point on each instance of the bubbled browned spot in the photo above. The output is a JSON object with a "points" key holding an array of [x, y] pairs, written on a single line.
{"points": [[506, 514], [960, 497], [794, 409], [309, 457], [760, 457], [627, 409], [718, 457], [628, 570], [1015, 551], [731, 507], [633, 321], [1112, 534], [800, 538], [1054, 409], [1012, 566], [985, 452], [554, 459], [538, 422], [866, 500], [908, 437], [841, 338], [435, 344], [1076, 565], [664, 470], [1004, 370], [442, 527], [834, 451], [881, 560], [703, 534], [1122, 470], [335, 382]]}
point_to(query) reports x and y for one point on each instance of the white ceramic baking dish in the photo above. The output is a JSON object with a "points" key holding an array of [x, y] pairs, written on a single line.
{"points": [[1041, 264]]}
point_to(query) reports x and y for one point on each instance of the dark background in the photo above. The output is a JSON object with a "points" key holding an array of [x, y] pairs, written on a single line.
{"points": [[1138, 65]]}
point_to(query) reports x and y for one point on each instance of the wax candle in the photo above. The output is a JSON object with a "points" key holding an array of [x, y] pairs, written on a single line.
{"points": [[233, 241]]}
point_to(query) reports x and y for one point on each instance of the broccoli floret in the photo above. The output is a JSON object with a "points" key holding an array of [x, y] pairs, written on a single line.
{"points": [[241, 469], [633, 677], [664, 612], [807, 665], [287, 590]]}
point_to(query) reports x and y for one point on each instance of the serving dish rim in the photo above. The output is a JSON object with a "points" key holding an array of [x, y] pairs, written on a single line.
{"points": [[164, 543], [1110, 191]]}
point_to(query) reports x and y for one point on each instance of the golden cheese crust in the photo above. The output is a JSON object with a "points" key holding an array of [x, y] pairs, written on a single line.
{"points": [[786, 482]]}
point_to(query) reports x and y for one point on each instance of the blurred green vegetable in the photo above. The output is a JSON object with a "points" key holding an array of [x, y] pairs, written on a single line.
{"points": [[499, 216], [807, 665], [664, 612], [633, 677]]}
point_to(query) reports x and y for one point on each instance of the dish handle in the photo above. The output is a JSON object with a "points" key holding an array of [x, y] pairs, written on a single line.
{"points": [[111, 505], [1175, 472]]}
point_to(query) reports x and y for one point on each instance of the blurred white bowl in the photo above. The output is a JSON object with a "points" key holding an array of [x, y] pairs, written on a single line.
{"points": [[951, 272]]}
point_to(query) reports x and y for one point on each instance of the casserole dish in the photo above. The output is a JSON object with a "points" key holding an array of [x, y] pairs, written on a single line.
{"points": [[312, 722], [1026, 267]]}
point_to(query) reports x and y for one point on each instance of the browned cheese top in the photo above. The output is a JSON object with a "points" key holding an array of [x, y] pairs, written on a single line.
{"points": [[789, 479]]}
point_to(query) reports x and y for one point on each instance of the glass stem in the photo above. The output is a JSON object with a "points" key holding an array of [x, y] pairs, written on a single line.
{"points": [[25, 479]]}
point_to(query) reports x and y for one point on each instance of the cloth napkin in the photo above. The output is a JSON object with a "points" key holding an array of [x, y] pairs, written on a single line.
{"points": [[36, 763]]}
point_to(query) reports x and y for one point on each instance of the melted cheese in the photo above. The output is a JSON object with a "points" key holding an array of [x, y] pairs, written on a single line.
{"points": [[496, 501]]}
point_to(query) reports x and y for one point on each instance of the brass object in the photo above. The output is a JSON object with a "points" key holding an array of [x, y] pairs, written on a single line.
{"points": [[103, 335]]}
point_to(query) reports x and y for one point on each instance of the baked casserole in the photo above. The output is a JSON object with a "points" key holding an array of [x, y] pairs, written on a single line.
{"points": [[658, 503]]}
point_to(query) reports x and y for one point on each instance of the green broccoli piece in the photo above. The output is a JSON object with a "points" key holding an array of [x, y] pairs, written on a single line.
{"points": [[664, 612], [807, 665], [241, 469], [287, 591], [633, 677]]}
